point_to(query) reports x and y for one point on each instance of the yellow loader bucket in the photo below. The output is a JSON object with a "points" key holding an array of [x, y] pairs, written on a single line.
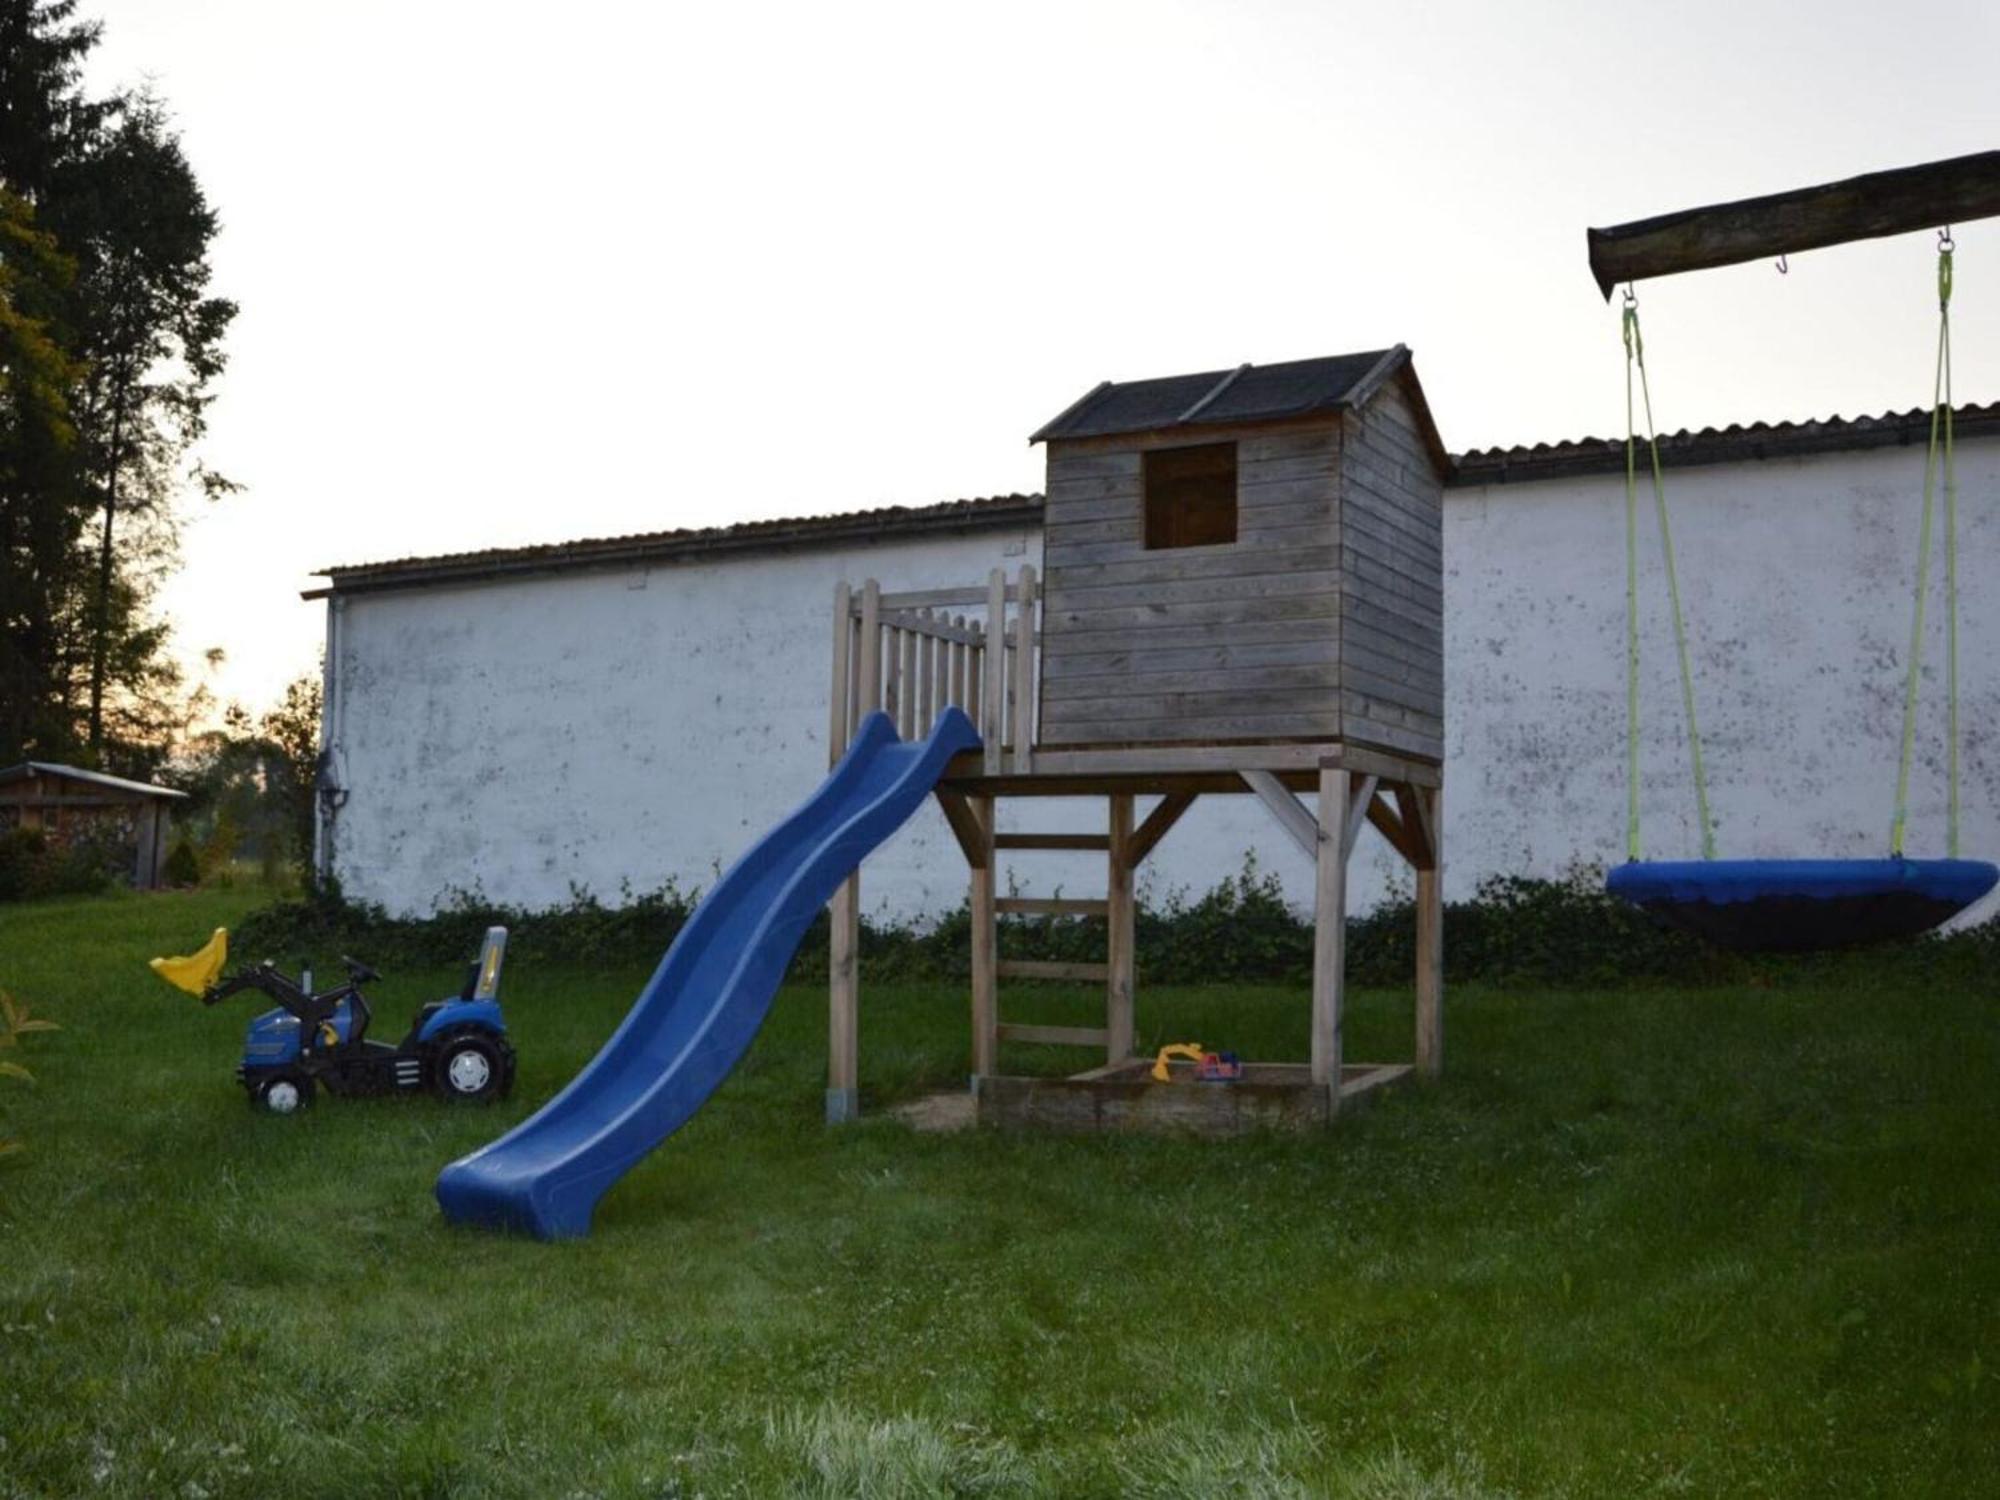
{"points": [[200, 969]]}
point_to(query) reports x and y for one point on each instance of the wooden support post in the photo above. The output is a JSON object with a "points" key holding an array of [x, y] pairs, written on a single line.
{"points": [[1120, 920], [985, 951], [1430, 948], [1329, 934], [843, 1038]]}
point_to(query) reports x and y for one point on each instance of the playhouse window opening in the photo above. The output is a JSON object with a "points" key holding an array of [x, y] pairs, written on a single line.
{"points": [[1191, 496]]}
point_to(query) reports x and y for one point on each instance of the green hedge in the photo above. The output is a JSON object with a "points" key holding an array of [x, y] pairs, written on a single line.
{"points": [[32, 866], [1515, 931]]}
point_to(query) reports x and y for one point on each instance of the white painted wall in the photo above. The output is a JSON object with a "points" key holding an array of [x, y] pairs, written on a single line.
{"points": [[606, 731]]}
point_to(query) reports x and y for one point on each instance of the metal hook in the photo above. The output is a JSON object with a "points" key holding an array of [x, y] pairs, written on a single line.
{"points": [[1631, 297], [1784, 266], [1946, 244]]}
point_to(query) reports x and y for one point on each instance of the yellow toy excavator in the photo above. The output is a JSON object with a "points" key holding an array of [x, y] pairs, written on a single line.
{"points": [[199, 970], [1209, 1067]]}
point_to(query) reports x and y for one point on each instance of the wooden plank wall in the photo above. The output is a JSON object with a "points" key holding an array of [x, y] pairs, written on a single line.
{"points": [[1194, 644], [1392, 561]]}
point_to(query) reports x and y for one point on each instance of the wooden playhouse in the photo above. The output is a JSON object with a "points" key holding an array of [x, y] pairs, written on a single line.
{"points": [[1242, 595]]}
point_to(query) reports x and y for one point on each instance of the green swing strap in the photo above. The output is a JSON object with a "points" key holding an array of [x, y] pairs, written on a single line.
{"points": [[1635, 359], [1940, 442]]}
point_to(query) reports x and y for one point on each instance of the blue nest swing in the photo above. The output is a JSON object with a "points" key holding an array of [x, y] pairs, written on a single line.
{"points": [[1799, 905], [1803, 905]]}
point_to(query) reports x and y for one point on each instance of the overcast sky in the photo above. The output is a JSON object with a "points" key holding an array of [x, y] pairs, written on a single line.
{"points": [[517, 273]]}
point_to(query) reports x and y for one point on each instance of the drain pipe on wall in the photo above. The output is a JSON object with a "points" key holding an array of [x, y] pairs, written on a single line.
{"points": [[330, 788]]}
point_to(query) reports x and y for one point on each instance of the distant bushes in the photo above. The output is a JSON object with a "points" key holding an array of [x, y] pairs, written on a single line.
{"points": [[1515, 931], [33, 866]]}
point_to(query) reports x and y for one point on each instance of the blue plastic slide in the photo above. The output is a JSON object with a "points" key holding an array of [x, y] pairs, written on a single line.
{"points": [[698, 1013]]}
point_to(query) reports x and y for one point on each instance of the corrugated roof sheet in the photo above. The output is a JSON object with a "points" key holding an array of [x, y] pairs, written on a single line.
{"points": [[1719, 445], [669, 546], [1518, 464], [29, 768], [1248, 393]]}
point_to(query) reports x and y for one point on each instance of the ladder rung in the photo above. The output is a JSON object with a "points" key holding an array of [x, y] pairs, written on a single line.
{"points": [[1055, 1036], [1051, 906], [1052, 841], [1035, 968]]}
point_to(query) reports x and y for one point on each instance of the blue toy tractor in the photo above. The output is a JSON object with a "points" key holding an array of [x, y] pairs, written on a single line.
{"points": [[456, 1048]]}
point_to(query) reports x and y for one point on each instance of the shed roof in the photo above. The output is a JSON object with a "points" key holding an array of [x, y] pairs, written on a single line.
{"points": [[1248, 393], [29, 768]]}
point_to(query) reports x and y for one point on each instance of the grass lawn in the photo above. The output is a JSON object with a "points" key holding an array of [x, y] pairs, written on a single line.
{"points": [[1688, 1243]]}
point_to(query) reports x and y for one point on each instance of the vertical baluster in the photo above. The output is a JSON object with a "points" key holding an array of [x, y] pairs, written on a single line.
{"points": [[869, 680], [892, 673], [843, 640], [1024, 670], [926, 650], [854, 709], [993, 668], [911, 679], [959, 651], [940, 668], [975, 653]]}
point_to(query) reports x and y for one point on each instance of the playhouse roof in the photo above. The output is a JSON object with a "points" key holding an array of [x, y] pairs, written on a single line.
{"points": [[1248, 393]]}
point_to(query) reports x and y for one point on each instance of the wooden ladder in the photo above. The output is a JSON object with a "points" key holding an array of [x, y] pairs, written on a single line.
{"points": [[1115, 973]]}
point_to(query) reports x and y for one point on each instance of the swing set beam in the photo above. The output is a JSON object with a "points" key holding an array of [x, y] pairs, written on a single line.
{"points": [[1871, 206]]}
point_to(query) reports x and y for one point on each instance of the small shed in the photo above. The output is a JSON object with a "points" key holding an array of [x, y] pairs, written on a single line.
{"points": [[69, 804]]}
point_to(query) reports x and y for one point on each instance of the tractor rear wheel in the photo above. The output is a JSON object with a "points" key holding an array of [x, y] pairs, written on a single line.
{"points": [[472, 1067]]}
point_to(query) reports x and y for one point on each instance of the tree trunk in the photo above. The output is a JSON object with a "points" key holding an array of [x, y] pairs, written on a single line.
{"points": [[100, 645]]}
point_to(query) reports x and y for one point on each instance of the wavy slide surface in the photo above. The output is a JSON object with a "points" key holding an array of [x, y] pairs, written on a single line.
{"points": [[697, 1015]]}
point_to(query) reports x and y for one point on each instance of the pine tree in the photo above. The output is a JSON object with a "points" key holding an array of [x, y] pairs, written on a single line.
{"points": [[107, 285]]}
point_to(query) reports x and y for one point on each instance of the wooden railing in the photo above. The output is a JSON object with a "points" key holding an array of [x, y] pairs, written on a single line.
{"points": [[914, 654]]}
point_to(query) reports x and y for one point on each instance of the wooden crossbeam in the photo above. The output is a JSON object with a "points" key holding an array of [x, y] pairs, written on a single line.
{"points": [[1357, 811], [1415, 804], [1085, 841], [1037, 968], [1929, 196], [1291, 814], [965, 827], [1054, 1036], [1154, 828], [1051, 906], [1401, 838]]}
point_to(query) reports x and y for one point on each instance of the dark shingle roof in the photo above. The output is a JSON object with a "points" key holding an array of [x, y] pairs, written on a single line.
{"points": [[1248, 393]]}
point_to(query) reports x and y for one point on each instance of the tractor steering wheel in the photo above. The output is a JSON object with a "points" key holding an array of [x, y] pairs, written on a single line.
{"points": [[358, 972]]}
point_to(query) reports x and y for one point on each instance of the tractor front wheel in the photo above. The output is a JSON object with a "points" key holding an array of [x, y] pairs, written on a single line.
{"points": [[283, 1093], [472, 1067]]}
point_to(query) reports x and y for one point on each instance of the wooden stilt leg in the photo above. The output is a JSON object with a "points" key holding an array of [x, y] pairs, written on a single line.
{"points": [[985, 951], [1119, 918], [1329, 934], [1430, 949], [843, 1045]]}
